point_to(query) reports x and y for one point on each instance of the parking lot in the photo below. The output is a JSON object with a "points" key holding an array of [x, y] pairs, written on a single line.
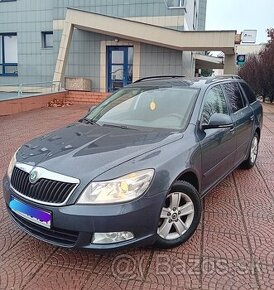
{"points": [[233, 247]]}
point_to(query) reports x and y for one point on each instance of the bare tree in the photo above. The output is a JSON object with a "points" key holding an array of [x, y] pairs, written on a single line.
{"points": [[259, 70]]}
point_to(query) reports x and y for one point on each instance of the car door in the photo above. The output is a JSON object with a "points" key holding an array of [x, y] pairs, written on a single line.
{"points": [[217, 145], [243, 118]]}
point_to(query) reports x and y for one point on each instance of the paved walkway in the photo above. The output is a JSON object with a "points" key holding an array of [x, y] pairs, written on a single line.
{"points": [[232, 249]]}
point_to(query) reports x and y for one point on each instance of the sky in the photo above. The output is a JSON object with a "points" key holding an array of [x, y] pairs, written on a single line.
{"points": [[240, 15]]}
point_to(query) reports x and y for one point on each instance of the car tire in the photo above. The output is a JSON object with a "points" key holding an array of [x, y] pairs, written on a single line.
{"points": [[180, 215], [252, 154]]}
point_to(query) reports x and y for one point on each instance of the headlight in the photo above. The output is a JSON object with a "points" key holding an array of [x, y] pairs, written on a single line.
{"points": [[122, 189], [12, 164]]}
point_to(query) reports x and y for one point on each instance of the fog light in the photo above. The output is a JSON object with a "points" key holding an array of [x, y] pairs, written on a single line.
{"points": [[110, 238]]}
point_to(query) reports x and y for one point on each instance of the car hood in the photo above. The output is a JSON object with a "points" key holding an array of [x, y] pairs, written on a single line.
{"points": [[85, 151]]}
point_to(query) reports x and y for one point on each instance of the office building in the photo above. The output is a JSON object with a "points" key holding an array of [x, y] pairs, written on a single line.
{"points": [[32, 31]]}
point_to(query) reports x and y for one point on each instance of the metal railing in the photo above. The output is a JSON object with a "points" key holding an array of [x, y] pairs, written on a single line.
{"points": [[28, 89]]}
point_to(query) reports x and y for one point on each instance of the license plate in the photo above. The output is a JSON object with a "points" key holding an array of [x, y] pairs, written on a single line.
{"points": [[33, 214]]}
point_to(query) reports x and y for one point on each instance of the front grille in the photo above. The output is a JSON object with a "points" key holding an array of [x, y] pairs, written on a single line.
{"points": [[54, 236], [43, 190]]}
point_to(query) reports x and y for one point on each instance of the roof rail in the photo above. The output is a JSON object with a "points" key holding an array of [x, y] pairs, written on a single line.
{"points": [[159, 77], [226, 76]]}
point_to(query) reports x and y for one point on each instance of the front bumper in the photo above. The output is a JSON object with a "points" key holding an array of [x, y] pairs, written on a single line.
{"points": [[74, 225]]}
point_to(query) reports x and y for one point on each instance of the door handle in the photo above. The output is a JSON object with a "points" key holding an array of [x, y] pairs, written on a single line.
{"points": [[252, 118]]}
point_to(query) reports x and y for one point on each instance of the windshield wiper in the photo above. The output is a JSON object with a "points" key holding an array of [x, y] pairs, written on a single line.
{"points": [[89, 121], [119, 126]]}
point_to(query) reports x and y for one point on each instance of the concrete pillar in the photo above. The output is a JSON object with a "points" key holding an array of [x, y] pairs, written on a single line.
{"points": [[63, 53], [188, 64], [230, 64]]}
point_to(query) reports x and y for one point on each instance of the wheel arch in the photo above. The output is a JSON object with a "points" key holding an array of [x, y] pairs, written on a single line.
{"points": [[190, 177], [258, 131]]}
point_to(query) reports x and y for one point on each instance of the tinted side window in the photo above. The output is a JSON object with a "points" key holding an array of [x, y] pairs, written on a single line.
{"points": [[234, 96], [248, 92], [214, 103]]}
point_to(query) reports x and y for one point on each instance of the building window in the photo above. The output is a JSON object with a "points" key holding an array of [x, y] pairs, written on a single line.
{"points": [[8, 54], [47, 39], [175, 4]]}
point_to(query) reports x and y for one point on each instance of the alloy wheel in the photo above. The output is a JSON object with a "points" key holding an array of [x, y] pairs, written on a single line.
{"points": [[176, 217], [254, 149]]}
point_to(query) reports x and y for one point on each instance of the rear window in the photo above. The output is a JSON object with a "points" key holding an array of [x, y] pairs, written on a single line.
{"points": [[234, 95], [248, 92]]}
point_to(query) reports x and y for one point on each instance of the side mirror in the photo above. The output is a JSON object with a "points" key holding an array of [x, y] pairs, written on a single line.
{"points": [[218, 120], [91, 109]]}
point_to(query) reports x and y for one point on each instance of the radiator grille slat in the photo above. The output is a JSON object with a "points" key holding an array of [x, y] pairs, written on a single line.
{"points": [[25, 185], [43, 190], [20, 180], [52, 190], [55, 192]]}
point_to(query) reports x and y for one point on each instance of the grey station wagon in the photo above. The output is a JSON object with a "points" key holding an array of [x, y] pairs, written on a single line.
{"points": [[134, 170]]}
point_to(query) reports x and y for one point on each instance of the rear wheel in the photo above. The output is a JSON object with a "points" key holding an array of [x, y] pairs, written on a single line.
{"points": [[253, 153], [180, 215]]}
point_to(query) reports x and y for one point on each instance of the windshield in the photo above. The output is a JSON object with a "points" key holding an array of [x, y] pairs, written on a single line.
{"points": [[167, 108]]}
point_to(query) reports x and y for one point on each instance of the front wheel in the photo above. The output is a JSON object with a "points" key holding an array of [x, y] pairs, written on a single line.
{"points": [[179, 216], [253, 153]]}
